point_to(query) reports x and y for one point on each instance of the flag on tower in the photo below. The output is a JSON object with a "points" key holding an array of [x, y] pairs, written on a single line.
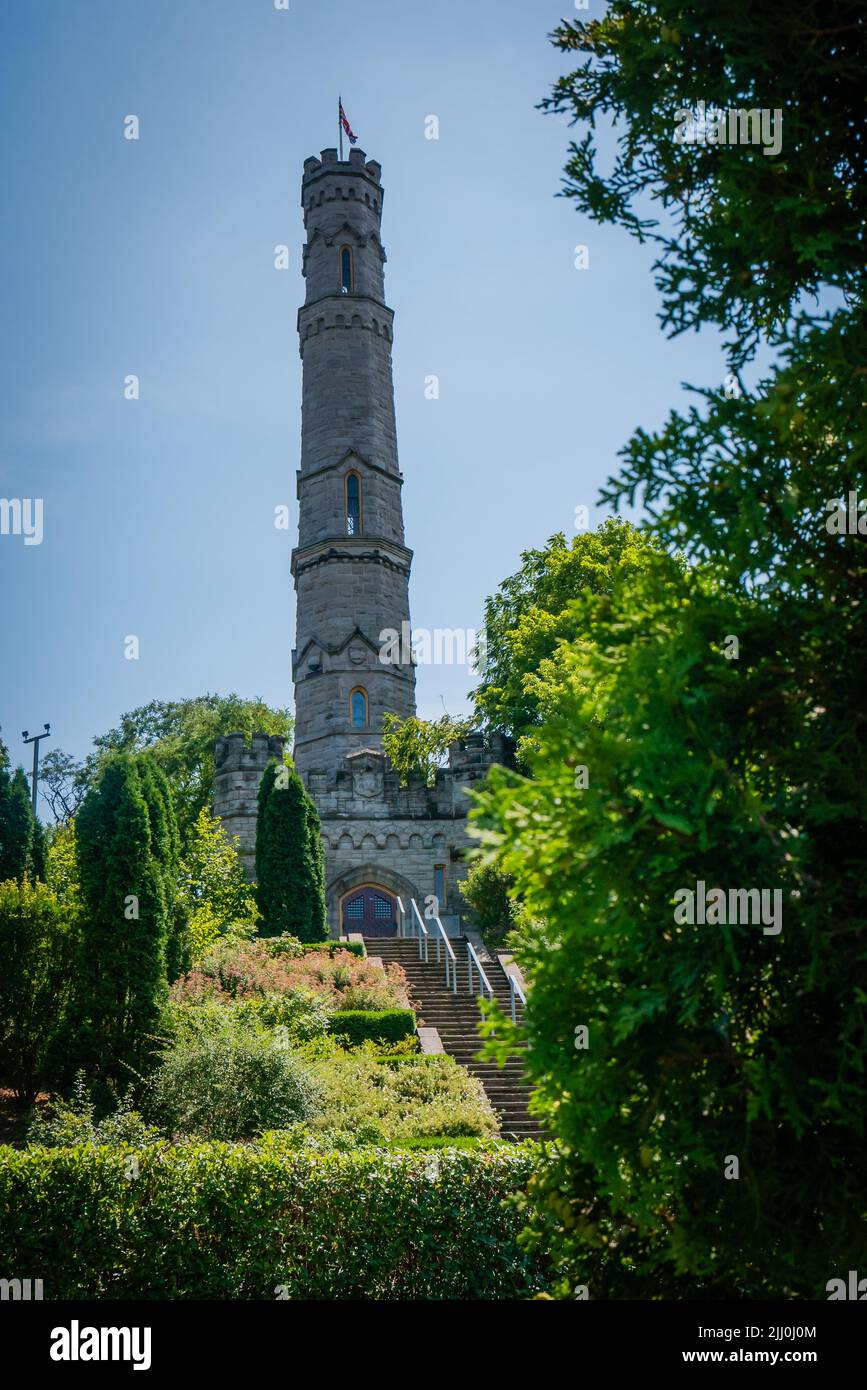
{"points": [[352, 137]]}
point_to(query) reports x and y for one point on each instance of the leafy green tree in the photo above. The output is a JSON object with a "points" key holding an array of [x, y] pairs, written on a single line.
{"points": [[218, 897], [290, 860], [37, 939], [64, 782], [180, 734], [416, 747], [61, 867], [122, 964], [532, 611], [706, 727], [742, 236], [488, 890], [536, 608]]}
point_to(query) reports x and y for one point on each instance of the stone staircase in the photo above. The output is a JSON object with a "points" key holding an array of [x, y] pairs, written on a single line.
{"points": [[455, 1016]]}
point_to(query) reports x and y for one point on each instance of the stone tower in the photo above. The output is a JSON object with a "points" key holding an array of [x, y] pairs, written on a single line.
{"points": [[351, 571], [351, 566]]}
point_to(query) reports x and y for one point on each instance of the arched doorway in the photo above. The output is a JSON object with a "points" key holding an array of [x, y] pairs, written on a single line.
{"points": [[371, 910]]}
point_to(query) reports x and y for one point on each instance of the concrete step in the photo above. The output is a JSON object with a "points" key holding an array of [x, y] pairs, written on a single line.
{"points": [[456, 1015]]}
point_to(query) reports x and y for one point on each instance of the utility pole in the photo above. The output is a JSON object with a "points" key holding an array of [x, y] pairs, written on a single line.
{"points": [[35, 740]]}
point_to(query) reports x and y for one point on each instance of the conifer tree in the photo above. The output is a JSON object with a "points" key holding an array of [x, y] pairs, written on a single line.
{"points": [[166, 849], [16, 824], [122, 967], [290, 864]]}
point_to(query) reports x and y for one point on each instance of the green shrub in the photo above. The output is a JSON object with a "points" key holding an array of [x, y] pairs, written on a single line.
{"points": [[303, 1013], [401, 1098], [449, 1141], [65, 1123], [37, 945], [215, 1221], [374, 1025], [487, 889], [355, 948], [222, 1078]]}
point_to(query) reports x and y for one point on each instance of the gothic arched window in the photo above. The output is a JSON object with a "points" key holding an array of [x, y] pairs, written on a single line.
{"points": [[358, 708], [353, 504], [346, 269]]}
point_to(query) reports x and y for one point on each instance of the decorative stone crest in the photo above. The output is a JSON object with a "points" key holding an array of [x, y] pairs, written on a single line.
{"points": [[368, 776]]}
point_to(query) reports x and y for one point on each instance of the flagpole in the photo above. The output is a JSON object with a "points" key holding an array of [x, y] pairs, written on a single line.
{"points": [[340, 124]]}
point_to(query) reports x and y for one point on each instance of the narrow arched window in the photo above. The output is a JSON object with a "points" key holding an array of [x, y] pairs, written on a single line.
{"points": [[358, 708], [353, 504], [346, 269]]}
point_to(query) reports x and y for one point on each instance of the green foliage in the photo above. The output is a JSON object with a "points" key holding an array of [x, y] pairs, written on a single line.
{"points": [[179, 735], [37, 942], [215, 1222], [354, 948], [301, 1014], [218, 898], [488, 891], [535, 609], [374, 1025], [61, 866], [290, 859], [235, 970], [66, 1123], [739, 768], [16, 825], [121, 975], [166, 851], [64, 782], [743, 235], [406, 1097], [416, 747], [222, 1077]]}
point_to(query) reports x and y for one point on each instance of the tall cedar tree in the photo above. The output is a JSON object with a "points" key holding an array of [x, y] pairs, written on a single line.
{"points": [[166, 848], [17, 824], [290, 860], [739, 767], [125, 923]]}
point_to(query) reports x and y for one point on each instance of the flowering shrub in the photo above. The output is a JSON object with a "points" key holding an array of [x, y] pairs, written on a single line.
{"points": [[246, 970]]}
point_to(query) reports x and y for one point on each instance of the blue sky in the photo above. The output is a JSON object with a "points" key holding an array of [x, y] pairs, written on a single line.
{"points": [[155, 257]]}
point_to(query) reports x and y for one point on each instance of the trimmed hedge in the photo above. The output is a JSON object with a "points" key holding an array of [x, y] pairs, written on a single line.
{"points": [[373, 1025], [355, 948], [220, 1221]]}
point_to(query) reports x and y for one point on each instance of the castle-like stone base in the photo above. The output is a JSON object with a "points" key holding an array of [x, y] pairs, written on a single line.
{"points": [[408, 841]]}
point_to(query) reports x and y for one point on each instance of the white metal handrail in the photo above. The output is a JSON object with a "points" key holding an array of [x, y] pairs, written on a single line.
{"points": [[451, 958], [515, 990], [473, 961], [401, 916], [423, 931]]}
